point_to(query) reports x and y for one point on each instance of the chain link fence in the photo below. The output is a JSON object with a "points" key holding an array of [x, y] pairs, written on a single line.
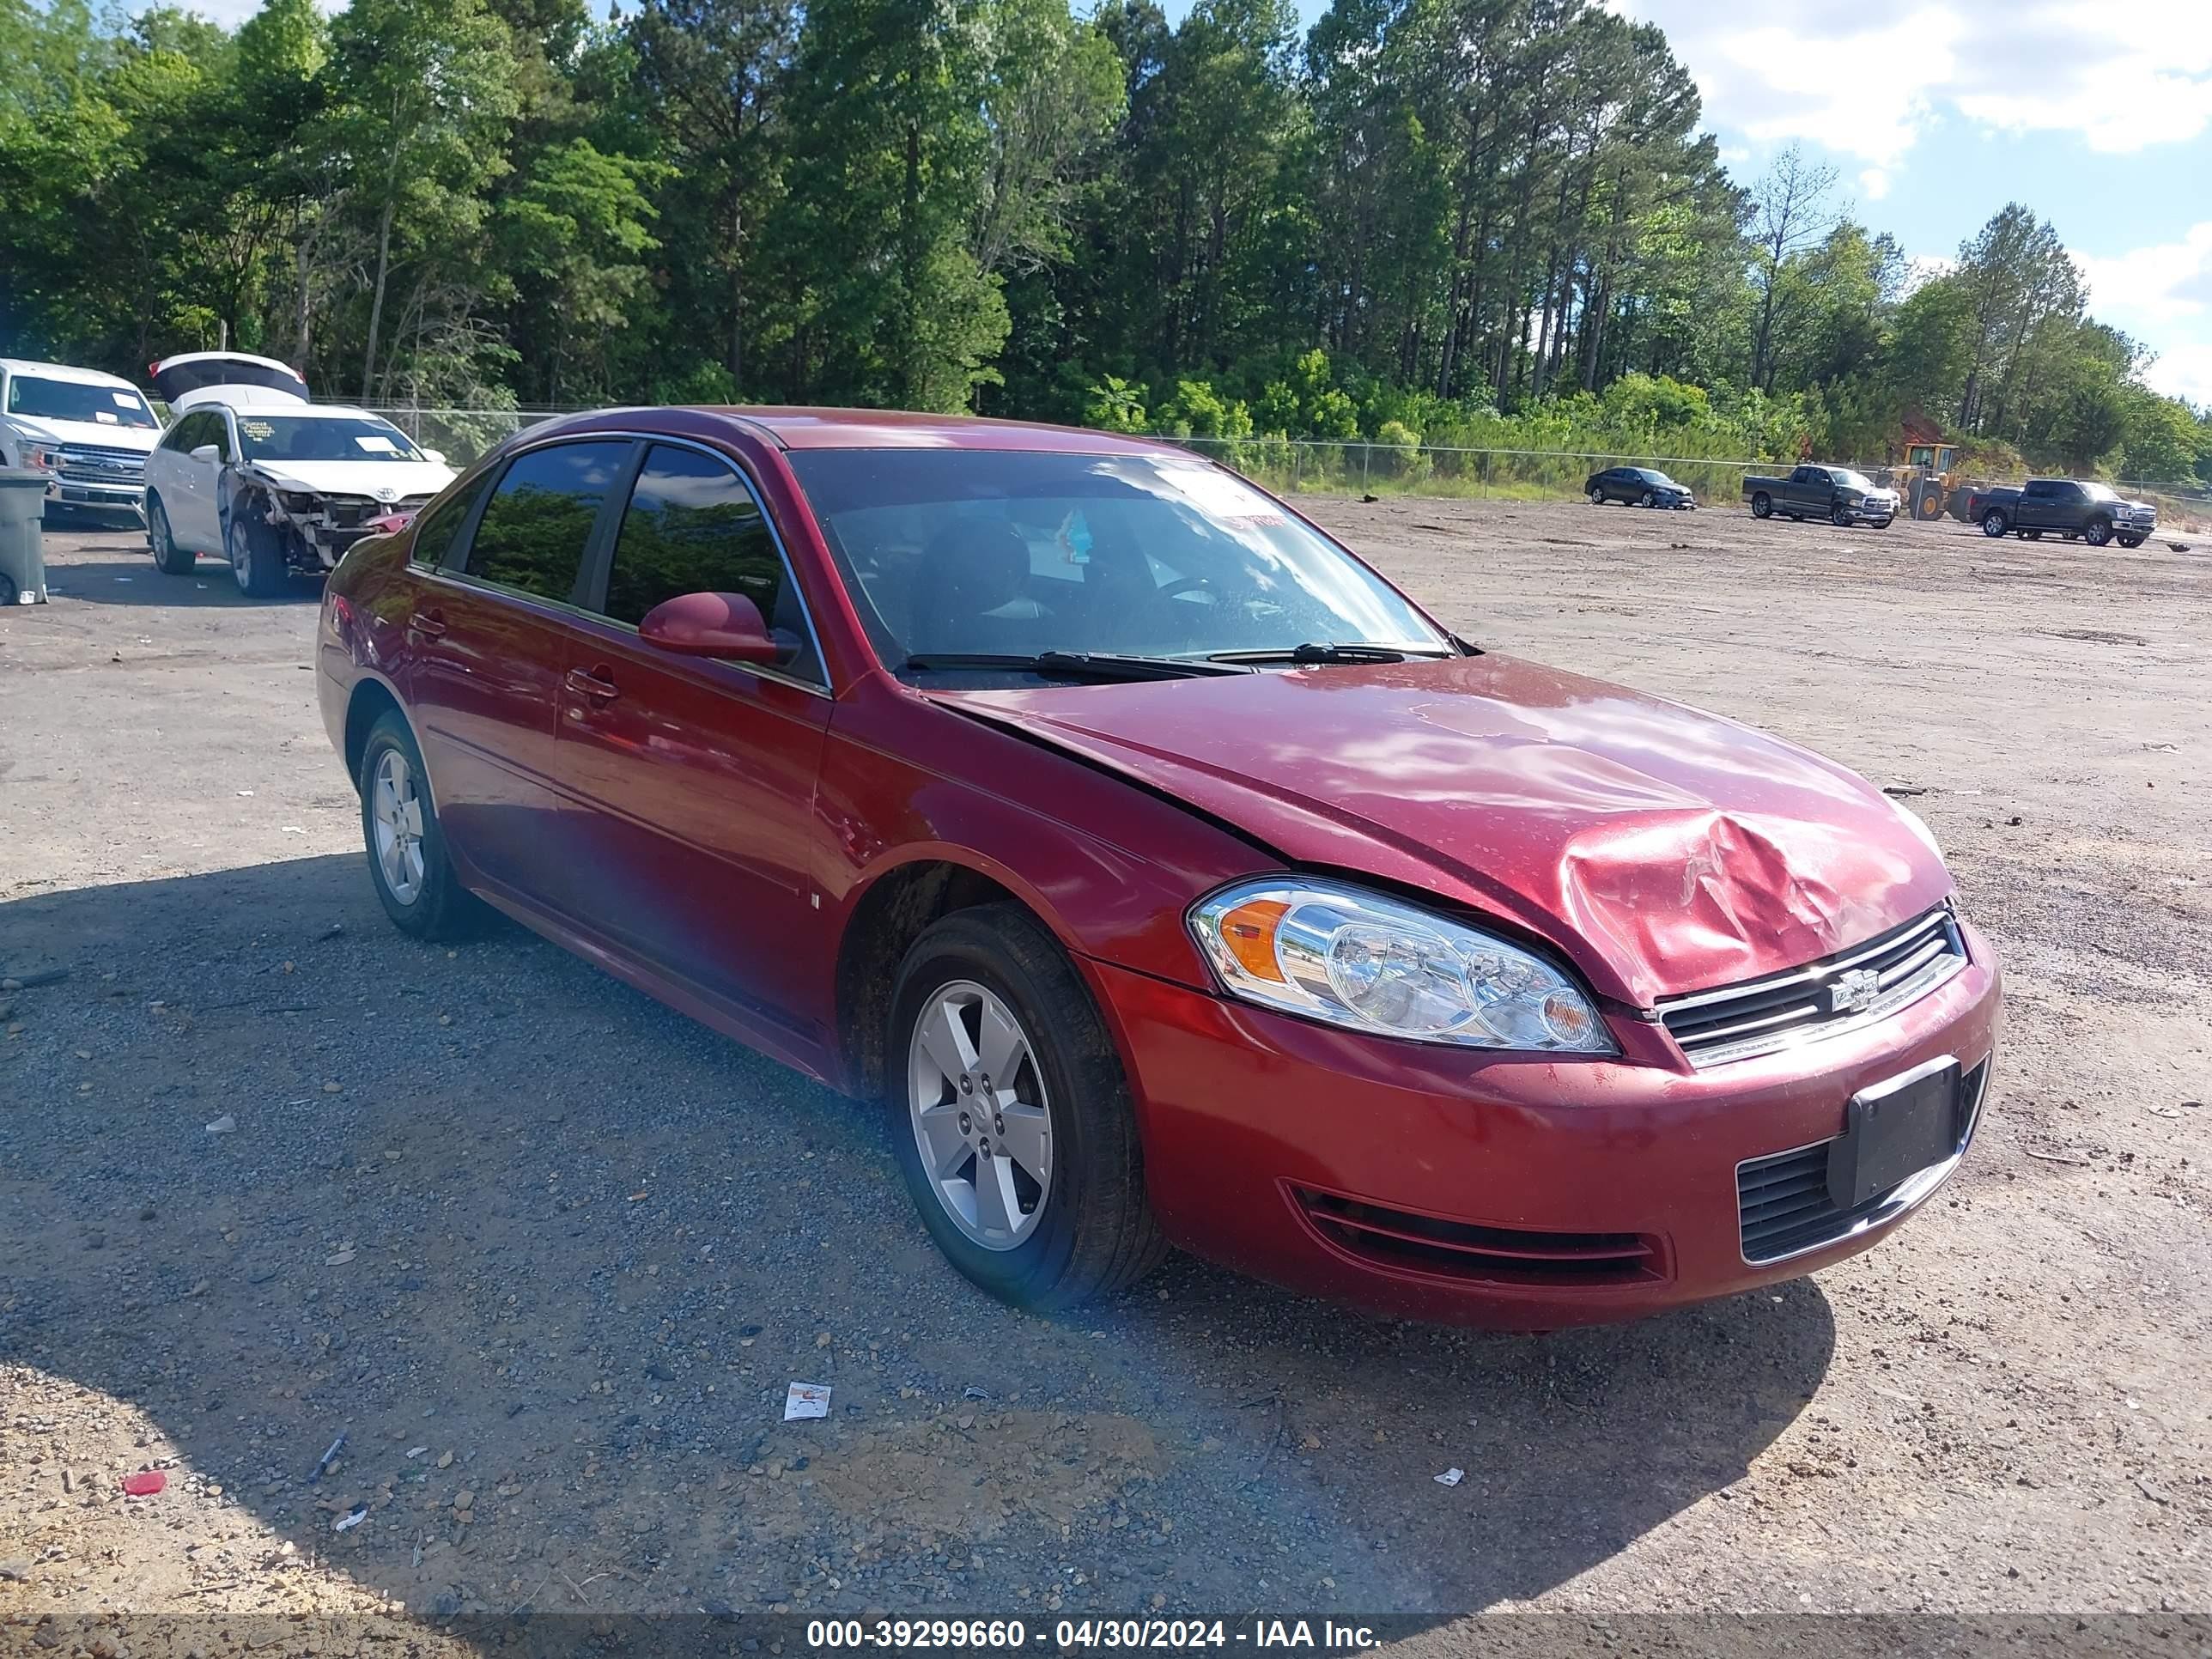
{"points": [[1319, 466]]}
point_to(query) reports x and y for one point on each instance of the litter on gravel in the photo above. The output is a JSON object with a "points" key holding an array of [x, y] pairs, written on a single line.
{"points": [[351, 1519], [144, 1482], [223, 1124], [1449, 1477], [804, 1400]]}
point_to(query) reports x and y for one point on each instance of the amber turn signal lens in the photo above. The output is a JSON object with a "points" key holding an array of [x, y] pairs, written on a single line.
{"points": [[1248, 931]]}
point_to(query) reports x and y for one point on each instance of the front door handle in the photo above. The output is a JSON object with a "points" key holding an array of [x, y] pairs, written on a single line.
{"points": [[593, 685], [429, 623]]}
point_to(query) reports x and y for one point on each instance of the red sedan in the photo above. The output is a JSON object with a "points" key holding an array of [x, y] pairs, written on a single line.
{"points": [[1178, 879]]}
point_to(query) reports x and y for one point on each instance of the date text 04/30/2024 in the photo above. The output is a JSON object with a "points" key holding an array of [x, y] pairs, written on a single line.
{"points": [[1318, 1636]]}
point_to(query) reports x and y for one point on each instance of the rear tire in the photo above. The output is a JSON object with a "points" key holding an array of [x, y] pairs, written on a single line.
{"points": [[1994, 524], [408, 865], [1089, 1230], [168, 558], [1762, 506], [1596, 496]]}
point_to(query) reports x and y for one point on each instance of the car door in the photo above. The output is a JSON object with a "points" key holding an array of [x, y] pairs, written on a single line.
{"points": [[188, 494], [487, 638], [692, 780]]}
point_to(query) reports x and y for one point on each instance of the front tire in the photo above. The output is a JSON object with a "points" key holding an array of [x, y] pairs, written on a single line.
{"points": [[1993, 525], [168, 558], [1030, 1178], [1762, 506], [2097, 531], [2132, 541], [1646, 500], [1840, 516], [256, 562], [407, 861]]}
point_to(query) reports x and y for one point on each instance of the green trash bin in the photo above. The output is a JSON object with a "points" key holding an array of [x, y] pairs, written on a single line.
{"points": [[22, 543]]}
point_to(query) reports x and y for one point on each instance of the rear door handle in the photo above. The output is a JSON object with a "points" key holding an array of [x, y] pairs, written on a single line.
{"points": [[593, 685], [429, 623]]}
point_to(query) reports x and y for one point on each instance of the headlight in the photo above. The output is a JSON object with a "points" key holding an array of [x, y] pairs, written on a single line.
{"points": [[46, 459], [296, 501], [1360, 960]]}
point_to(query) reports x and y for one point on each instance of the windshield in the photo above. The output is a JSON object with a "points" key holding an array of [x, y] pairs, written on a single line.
{"points": [[953, 552], [1652, 477], [74, 400], [322, 438], [2097, 492], [1851, 480]]}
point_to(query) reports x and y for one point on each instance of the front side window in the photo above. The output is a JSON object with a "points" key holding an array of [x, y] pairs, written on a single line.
{"points": [[534, 529], [41, 398], [958, 551], [693, 528]]}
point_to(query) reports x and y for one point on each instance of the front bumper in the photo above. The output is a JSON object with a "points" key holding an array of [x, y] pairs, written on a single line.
{"points": [[121, 499], [1593, 1190], [1873, 511]]}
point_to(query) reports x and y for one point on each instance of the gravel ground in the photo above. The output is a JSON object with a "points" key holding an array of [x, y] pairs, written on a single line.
{"points": [[547, 1255]]}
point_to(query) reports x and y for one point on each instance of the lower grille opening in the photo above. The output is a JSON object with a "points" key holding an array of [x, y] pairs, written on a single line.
{"points": [[1421, 1243], [1783, 1204]]}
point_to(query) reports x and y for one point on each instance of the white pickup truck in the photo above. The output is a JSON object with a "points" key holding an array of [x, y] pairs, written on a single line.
{"points": [[90, 433]]}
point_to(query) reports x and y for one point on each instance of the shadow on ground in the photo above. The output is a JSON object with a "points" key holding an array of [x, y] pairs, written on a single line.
{"points": [[114, 568], [492, 1205]]}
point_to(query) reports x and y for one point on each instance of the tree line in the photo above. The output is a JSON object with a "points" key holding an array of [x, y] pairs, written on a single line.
{"points": [[1456, 220]]}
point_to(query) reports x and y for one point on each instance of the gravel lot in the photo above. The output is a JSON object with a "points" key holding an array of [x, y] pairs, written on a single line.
{"points": [[547, 1255]]}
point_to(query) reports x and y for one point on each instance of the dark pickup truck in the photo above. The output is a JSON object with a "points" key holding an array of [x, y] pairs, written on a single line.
{"points": [[1834, 493], [2064, 507]]}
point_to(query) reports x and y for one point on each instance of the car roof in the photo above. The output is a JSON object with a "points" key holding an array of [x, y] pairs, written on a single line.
{"points": [[65, 372], [887, 429]]}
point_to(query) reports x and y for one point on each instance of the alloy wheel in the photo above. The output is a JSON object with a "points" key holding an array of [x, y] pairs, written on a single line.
{"points": [[397, 809], [976, 1100], [242, 555]]}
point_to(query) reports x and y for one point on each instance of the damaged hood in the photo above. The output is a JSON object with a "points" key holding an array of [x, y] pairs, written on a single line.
{"points": [[379, 481], [1661, 849]]}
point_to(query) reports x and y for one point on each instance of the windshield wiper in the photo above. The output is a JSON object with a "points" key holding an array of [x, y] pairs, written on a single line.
{"points": [[1318, 652], [1073, 665]]}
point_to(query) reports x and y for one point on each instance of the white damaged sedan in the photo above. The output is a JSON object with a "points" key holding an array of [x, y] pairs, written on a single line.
{"points": [[274, 484]]}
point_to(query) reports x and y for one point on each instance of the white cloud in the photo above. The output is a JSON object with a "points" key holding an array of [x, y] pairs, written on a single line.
{"points": [[1875, 181], [2184, 371], [2170, 281], [1863, 77]]}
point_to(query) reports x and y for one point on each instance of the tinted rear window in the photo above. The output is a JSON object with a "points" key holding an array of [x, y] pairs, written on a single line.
{"points": [[535, 528]]}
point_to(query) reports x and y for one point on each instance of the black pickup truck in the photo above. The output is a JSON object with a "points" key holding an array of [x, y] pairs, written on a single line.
{"points": [[1835, 493], [2065, 507]]}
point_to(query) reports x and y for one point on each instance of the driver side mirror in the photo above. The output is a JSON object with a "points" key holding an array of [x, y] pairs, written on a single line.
{"points": [[208, 453], [726, 625], [436, 455]]}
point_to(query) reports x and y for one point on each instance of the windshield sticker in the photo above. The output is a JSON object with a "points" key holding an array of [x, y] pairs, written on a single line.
{"points": [[107, 417], [1224, 498], [1075, 538], [260, 431], [125, 400], [376, 443]]}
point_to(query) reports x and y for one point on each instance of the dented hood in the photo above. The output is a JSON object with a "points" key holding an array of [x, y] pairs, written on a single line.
{"points": [[382, 481], [1661, 849]]}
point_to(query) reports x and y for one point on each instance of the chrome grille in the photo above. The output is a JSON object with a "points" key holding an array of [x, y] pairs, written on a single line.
{"points": [[97, 464], [1783, 1010]]}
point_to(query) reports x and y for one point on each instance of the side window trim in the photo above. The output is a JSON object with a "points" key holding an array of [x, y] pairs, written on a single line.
{"points": [[590, 589], [602, 562]]}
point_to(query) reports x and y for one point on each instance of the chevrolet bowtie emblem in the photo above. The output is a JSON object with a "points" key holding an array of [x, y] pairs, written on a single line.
{"points": [[1854, 990]]}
